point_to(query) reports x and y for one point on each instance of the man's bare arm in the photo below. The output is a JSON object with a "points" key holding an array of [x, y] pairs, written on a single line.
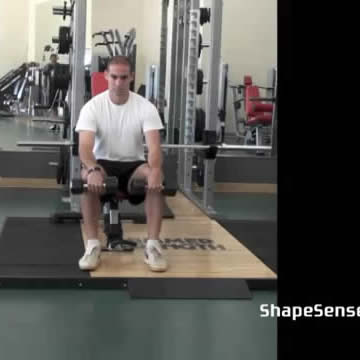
{"points": [[155, 156], [86, 145]]}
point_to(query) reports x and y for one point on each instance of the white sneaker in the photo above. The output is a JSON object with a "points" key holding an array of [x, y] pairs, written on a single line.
{"points": [[154, 257], [91, 258]]}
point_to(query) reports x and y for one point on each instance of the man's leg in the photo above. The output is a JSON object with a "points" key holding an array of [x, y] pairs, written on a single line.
{"points": [[154, 208], [90, 209], [154, 204]]}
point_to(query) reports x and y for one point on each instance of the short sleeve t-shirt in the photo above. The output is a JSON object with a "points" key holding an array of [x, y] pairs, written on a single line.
{"points": [[119, 129]]}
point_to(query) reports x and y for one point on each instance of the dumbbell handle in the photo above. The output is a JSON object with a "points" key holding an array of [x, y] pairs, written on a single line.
{"points": [[85, 185]]}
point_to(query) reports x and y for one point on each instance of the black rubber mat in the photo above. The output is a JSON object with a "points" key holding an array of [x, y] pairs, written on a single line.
{"points": [[260, 237], [33, 247]]}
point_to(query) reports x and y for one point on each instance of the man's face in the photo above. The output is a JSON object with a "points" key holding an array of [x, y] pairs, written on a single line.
{"points": [[119, 78]]}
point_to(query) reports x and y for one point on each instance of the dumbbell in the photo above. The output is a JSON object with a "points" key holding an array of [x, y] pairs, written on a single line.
{"points": [[110, 184], [138, 187]]}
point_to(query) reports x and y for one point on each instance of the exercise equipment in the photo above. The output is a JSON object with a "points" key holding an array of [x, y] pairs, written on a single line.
{"points": [[64, 40], [112, 216], [205, 15], [182, 127], [64, 11], [110, 186], [112, 219], [256, 127], [200, 82], [10, 87]]}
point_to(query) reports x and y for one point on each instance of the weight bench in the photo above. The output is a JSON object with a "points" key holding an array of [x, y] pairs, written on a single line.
{"points": [[258, 112], [112, 215]]}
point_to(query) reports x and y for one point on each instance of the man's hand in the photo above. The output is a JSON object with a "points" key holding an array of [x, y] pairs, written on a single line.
{"points": [[95, 182], [155, 180]]}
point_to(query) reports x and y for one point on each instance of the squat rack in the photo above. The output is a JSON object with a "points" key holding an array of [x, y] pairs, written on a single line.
{"points": [[182, 83]]}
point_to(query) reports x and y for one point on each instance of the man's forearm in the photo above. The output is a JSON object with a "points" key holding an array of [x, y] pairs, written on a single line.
{"points": [[155, 159], [87, 158]]}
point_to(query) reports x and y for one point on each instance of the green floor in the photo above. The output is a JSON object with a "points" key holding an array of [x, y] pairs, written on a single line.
{"points": [[96, 324]]}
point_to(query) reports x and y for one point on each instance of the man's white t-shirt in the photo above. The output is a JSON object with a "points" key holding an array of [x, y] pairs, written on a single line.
{"points": [[119, 129]]}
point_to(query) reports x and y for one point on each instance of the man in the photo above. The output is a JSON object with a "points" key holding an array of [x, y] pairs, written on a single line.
{"points": [[111, 127], [49, 70], [51, 65]]}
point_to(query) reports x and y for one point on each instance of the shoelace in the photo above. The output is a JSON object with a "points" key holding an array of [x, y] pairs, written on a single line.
{"points": [[89, 250], [155, 251]]}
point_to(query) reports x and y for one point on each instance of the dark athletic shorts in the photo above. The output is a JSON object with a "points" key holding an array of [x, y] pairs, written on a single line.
{"points": [[123, 171]]}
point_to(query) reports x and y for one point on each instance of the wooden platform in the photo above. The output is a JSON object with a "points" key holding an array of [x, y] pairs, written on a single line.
{"points": [[241, 188], [29, 183], [195, 246]]}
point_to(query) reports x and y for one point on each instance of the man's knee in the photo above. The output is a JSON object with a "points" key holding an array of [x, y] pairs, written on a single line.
{"points": [[142, 171]]}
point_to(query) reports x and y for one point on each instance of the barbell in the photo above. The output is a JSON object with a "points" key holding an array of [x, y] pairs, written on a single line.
{"points": [[220, 147], [204, 152]]}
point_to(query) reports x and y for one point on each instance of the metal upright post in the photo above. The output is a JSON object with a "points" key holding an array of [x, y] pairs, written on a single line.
{"points": [[77, 56], [163, 54], [172, 90], [178, 66], [182, 102], [212, 97], [190, 93], [274, 129]]}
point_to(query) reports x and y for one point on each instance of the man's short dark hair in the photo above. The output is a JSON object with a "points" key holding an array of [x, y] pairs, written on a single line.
{"points": [[120, 60]]}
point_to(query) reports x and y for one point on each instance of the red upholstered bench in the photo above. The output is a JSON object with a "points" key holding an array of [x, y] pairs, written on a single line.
{"points": [[257, 111]]}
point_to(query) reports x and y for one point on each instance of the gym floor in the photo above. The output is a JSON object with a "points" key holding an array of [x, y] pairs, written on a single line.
{"points": [[93, 324]]}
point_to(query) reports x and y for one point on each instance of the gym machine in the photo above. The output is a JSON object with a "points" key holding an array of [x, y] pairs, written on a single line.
{"points": [[182, 86], [255, 125], [186, 82], [187, 124]]}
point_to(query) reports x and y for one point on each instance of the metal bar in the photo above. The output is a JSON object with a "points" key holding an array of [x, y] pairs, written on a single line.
{"points": [[120, 43], [163, 57], [77, 85], [274, 139], [212, 95], [223, 147], [45, 143], [214, 66], [172, 97], [55, 121], [190, 83], [179, 77]]}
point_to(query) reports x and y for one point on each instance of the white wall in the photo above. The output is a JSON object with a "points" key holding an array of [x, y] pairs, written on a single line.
{"points": [[13, 34], [151, 31]]}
